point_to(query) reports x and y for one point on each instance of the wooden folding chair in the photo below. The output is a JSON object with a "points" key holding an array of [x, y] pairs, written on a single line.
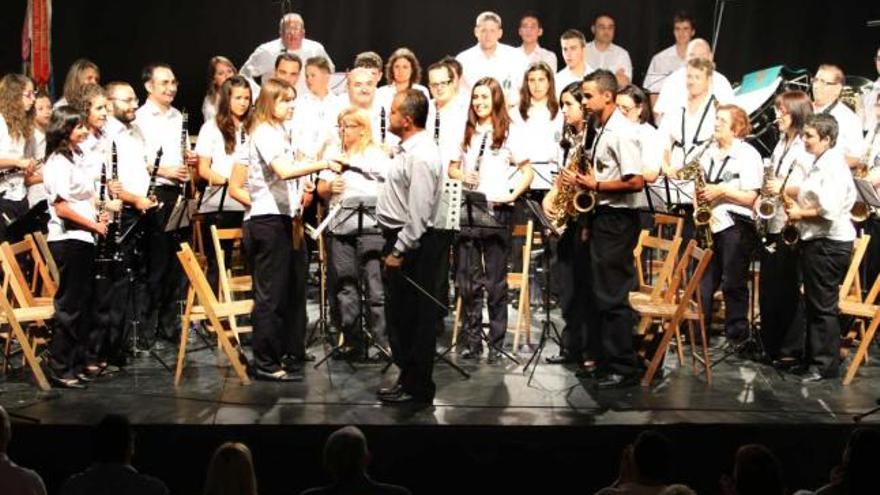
{"points": [[517, 280], [663, 222], [209, 309], [48, 259], [227, 284], [15, 317], [677, 307], [862, 310], [654, 293]]}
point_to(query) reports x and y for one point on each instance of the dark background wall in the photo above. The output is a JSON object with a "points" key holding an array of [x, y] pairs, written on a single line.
{"points": [[122, 35]]}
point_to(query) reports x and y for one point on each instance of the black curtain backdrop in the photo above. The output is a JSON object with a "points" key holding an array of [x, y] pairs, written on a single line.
{"points": [[122, 35]]}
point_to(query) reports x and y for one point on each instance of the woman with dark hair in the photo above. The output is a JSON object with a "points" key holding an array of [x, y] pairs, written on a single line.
{"points": [[16, 147], [221, 141], [538, 115], [781, 303], [75, 217], [271, 202], [636, 107], [91, 101], [402, 72], [82, 71], [220, 69], [732, 171], [491, 146], [570, 265]]}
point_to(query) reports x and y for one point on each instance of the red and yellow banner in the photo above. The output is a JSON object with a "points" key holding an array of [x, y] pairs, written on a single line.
{"points": [[36, 42]]}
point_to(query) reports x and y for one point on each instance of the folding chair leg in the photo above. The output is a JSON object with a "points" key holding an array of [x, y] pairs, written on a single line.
{"points": [[862, 351], [679, 345], [29, 355], [456, 322], [659, 353], [184, 334], [707, 366]]}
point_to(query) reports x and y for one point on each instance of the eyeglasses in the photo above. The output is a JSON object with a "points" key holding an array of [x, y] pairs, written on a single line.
{"points": [[439, 84], [130, 101], [348, 127], [625, 108], [823, 82]]}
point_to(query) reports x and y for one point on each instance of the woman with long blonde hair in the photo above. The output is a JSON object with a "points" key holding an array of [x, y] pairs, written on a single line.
{"points": [[17, 99], [356, 242], [231, 471], [220, 69]]}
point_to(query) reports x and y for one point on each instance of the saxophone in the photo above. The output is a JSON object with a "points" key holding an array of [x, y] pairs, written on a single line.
{"points": [[861, 211], [571, 201], [702, 210]]}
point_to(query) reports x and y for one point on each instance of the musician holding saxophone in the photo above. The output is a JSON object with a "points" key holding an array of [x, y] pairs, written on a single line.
{"points": [[732, 170], [780, 300], [569, 265], [615, 176], [871, 172], [821, 211]]}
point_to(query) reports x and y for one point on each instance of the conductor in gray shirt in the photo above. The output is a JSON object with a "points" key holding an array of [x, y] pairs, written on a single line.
{"points": [[405, 207]]}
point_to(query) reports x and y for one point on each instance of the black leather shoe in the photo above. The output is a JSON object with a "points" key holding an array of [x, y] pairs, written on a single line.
{"points": [[395, 389], [493, 357], [84, 378], [560, 359], [785, 363], [587, 369], [71, 383], [811, 376], [470, 355], [613, 380], [278, 376], [404, 398]]}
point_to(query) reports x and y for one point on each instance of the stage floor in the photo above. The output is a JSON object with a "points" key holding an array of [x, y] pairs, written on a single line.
{"points": [[743, 392]]}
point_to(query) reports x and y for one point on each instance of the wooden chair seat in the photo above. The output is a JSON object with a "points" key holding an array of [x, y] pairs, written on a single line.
{"points": [[666, 310], [859, 310], [32, 314]]}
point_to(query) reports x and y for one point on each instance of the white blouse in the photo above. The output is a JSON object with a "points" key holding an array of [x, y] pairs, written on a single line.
{"points": [[72, 182]]}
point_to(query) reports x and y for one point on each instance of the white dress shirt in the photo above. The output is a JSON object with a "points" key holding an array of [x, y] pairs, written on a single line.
{"points": [[685, 132], [828, 187], [543, 134], [615, 155], [674, 92], [364, 179], [37, 192], [566, 76], [662, 65], [209, 109], [787, 156], [314, 123], [849, 129], [540, 54], [507, 66], [12, 185], [210, 144], [452, 119], [133, 160], [262, 61], [161, 130], [613, 58], [495, 166], [868, 102], [72, 182], [739, 167], [270, 195]]}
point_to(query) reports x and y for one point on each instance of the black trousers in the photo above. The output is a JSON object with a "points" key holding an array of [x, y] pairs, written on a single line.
{"points": [[780, 300], [570, 272], [729, 269], [613, 235], [10, 211], [269, 249], [357, 258], [824, 263], [73, 306], [871, 226], [166, 282], [481, 265], [412, 317]]}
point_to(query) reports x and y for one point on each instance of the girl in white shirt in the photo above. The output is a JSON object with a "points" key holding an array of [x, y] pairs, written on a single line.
{"points": [[42, 114], [539, 117], [16, 147], [402, 72], [490, 148], [219, 70], [221, 141], [271, 200], [74, 219]]}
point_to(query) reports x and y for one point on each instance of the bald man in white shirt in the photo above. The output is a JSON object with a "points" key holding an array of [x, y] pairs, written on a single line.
{"points": [[292, 39]]}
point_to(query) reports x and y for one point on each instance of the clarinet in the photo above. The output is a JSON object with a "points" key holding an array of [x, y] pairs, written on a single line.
{"points": [[102, 250], [117, 216], [184, 149], [479, 158], [151, 191], [382, 124]]}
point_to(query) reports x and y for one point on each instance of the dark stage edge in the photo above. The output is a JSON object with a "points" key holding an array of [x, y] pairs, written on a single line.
{"points": [[492, 433], [742, 392]]}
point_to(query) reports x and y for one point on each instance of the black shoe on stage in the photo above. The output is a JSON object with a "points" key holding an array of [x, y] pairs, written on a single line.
{"points": [[278, 376], [561, 358], [470, 355], [404, 398], [71, 383], [393, 390], [493, 357]]}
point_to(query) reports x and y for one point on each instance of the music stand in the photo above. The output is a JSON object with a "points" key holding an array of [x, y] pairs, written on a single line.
{"points": [[363, 207], [547, 324], [669, 196]]}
